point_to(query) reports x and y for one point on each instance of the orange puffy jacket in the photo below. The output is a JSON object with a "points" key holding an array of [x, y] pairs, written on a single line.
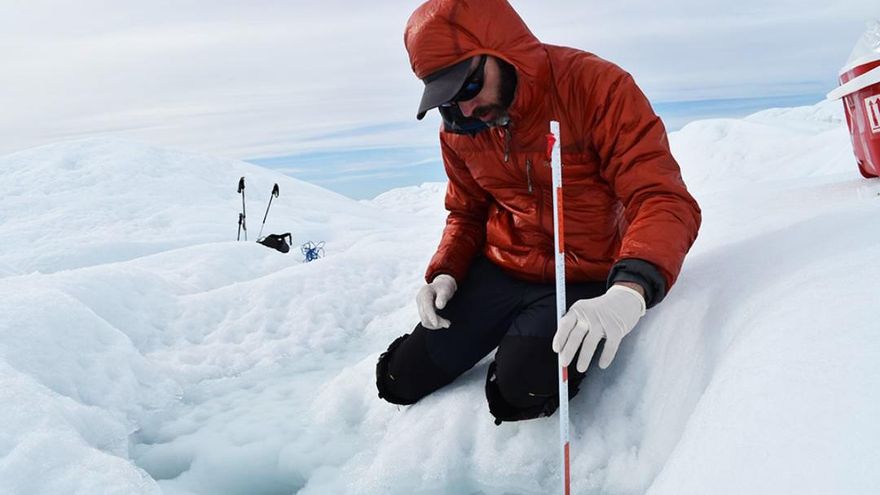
{"points": [[628, 215]]}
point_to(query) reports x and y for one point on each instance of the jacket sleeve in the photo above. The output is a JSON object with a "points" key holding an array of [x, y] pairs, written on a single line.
{"points": [[465, 232], [662, 217]]}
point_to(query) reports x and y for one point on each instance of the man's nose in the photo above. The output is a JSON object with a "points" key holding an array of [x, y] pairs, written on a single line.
{"points": [[467, 107]]}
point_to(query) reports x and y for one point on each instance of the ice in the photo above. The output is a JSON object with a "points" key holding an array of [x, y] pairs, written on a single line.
{"points": [[144, 350]]}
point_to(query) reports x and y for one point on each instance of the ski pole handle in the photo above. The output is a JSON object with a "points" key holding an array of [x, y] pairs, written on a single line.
{"points": [[243, 217], [273, 195]]}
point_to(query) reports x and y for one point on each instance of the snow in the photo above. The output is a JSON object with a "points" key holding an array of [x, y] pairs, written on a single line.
{"points": [[144, 350]]}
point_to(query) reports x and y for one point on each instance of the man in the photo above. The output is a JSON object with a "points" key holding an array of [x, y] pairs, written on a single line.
{"points": [[629, 220]]}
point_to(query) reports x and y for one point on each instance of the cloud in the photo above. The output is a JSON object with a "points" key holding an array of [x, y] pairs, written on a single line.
{"points": [[276, 78]]}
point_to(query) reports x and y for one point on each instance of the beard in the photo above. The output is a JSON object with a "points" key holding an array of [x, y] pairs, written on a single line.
{"points": [[498, 113]]}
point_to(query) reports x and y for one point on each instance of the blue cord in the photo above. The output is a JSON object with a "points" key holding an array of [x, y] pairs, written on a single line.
{"points": [[312, 251]]}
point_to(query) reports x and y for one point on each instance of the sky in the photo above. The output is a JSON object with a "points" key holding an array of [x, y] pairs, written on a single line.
{"points": [[323, 90]]}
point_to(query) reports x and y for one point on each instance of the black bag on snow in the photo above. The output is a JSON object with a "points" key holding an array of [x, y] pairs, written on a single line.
{"points": [[278, 242]]}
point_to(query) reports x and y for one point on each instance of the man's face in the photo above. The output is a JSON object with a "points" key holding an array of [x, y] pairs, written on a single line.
{"points": [[489, 105]]}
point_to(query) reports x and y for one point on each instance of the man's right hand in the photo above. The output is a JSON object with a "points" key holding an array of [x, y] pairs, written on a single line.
{"points": [[435, 295]]}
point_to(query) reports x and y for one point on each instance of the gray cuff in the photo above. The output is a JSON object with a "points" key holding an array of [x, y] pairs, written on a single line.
{"points": [[643, 273]]}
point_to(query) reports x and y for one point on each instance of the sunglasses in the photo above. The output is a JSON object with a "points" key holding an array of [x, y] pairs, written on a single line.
{"points": [[471, 87]]}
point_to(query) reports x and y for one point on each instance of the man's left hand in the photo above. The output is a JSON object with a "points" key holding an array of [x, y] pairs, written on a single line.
{"points": [[610, 316]]}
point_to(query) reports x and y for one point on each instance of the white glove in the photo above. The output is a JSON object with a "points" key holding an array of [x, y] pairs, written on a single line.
{"points": [[436, 294], [610, 316]]}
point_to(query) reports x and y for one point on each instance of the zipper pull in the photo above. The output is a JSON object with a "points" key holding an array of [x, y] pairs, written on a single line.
{"points": [[506, 144], [529, 172]]}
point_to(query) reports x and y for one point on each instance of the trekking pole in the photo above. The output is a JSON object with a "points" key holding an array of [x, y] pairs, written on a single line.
{"points": [[273, 195], [242, 225], [554, 145]]}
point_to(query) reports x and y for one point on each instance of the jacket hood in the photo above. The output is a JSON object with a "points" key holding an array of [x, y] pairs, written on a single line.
{"points": [[441, 33]]}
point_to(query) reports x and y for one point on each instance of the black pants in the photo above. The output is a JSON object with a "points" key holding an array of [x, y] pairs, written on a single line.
{"points": [[490, 309]]}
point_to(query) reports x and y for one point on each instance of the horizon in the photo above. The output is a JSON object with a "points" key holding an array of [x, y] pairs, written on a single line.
{"points": [[364, 173]]}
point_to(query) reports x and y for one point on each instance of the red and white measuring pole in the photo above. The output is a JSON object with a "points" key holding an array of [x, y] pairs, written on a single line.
{"points": [[554, 143]]}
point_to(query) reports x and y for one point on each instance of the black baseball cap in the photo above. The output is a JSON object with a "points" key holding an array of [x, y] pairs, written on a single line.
{"points": [[442, 85]]}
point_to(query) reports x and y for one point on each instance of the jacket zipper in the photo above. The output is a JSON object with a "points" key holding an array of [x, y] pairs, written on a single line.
{"points": [[540, 212], [507, 138], [529, 173]]}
